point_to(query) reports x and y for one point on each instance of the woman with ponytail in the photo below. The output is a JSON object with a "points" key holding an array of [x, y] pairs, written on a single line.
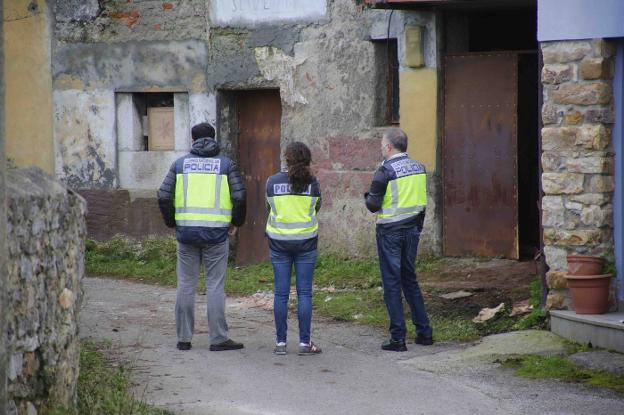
{"points": [[293, 200]]}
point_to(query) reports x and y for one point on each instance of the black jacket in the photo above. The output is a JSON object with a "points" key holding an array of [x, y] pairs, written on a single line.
{"points": [[205, 148], [374, 197]]}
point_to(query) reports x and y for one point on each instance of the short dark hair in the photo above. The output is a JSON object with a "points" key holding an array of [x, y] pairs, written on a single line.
{"points": [[203, 130], [397, 138]]}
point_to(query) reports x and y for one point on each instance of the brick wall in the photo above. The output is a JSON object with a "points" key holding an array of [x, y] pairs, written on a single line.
{"points": [[121, 212], [577, 155]]}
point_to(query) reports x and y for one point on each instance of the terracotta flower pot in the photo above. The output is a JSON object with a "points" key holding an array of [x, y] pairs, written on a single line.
{"points": [[584, 265], [590, 293]]}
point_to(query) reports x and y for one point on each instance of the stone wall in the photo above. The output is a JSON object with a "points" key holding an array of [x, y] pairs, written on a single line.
{"points": [[577, 155], [45, 233]]}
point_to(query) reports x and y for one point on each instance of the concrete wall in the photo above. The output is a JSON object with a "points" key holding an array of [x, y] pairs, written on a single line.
{"points": [[579, 19], [319, 56], [27, 37]]}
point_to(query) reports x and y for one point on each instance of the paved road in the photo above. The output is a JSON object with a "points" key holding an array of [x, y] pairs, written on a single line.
{"points": [[352, 376]]}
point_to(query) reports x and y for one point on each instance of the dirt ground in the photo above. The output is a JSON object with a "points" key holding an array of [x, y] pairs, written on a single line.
{"points": [[491, 282]]}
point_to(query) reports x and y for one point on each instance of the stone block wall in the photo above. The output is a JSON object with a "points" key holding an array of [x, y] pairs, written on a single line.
{"points": [[45, 237], [577, 155]]}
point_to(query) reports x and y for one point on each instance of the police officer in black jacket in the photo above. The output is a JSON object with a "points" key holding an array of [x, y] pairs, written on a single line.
{"points": [[204, 198]]}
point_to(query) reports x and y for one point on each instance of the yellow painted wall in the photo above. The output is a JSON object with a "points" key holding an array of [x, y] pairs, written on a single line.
{"points": [[419, 112], [28, 80]]}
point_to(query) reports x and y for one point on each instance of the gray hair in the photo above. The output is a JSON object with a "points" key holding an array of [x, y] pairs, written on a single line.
{"points": [[397, 138]]}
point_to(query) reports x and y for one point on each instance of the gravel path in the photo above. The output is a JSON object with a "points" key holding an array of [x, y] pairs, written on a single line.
{"points": [[352, 376]]}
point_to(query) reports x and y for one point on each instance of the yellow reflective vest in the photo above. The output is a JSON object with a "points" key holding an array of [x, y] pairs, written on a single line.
{"points": [[202, 194], [292, 216], [406, 192]]}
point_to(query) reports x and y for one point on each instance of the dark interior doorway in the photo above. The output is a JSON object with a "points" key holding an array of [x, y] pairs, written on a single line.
{"points": [[473, 32]]}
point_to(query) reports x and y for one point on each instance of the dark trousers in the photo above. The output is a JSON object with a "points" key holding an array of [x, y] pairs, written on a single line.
{"points": [[397, 261]]}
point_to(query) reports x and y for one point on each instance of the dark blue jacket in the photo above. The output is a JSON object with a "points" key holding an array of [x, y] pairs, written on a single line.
{"points": [[305, 245], [374, 197], [203, 147]]}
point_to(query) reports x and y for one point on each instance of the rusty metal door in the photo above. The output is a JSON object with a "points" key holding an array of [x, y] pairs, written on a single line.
{"points": [[259, 116], [480, 155]]}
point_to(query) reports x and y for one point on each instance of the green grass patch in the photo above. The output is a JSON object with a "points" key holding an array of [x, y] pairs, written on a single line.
{"points": [[153, 260], [249, 280], [104, 388], [367, 307], [561, 368], [536, 319]]}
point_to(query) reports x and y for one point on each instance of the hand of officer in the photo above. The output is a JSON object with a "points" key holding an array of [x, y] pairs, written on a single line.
{"points": [[232, 231]]}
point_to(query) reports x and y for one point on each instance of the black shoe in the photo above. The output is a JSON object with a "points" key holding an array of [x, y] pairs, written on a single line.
{"points": [[424, 340], [394, 346], [229, 344], [184, 346]]}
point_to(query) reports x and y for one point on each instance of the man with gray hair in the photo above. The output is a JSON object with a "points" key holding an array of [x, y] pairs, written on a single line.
{"points": [[398, 194]]}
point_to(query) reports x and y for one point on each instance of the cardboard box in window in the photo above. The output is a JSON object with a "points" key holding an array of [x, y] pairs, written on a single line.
{"points": [[161, 131]]}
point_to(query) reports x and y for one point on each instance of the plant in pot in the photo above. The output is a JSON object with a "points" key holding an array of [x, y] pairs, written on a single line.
{"points": [[589, 284]]}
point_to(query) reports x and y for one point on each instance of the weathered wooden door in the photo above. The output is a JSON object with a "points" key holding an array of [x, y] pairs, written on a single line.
{"points": [[480, 155], [259, 116]]}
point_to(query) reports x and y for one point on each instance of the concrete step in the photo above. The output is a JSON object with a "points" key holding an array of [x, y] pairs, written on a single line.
{"points": [[599, 330]]}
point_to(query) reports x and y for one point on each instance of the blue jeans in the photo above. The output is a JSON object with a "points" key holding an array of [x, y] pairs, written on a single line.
{"points": [[282, 268], [397, 257]]}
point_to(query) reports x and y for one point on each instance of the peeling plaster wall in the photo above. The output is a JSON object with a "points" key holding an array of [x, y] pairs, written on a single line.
{"points": [[27, 45], [92, 21], [84, 131], [325, 68], [130, 65], [203, 107], [86, 78]]}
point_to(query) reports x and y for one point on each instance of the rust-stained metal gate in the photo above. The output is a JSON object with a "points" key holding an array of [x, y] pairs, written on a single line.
{"points": [[259, 116], [480, 155]]}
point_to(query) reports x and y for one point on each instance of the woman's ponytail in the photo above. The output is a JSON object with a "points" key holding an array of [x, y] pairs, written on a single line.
{"points": [[298, 159]]}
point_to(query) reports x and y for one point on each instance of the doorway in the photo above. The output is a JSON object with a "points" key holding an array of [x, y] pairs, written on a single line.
{"points": [[490, 145], [258, 118]]}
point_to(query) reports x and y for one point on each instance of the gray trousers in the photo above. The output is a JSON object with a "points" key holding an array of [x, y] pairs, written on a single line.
{"points": [[215, 259]]}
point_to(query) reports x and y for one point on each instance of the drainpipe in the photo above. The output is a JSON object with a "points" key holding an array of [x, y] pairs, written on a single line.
{"points": [[618, 146], [540, 258], [3, 275]]}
